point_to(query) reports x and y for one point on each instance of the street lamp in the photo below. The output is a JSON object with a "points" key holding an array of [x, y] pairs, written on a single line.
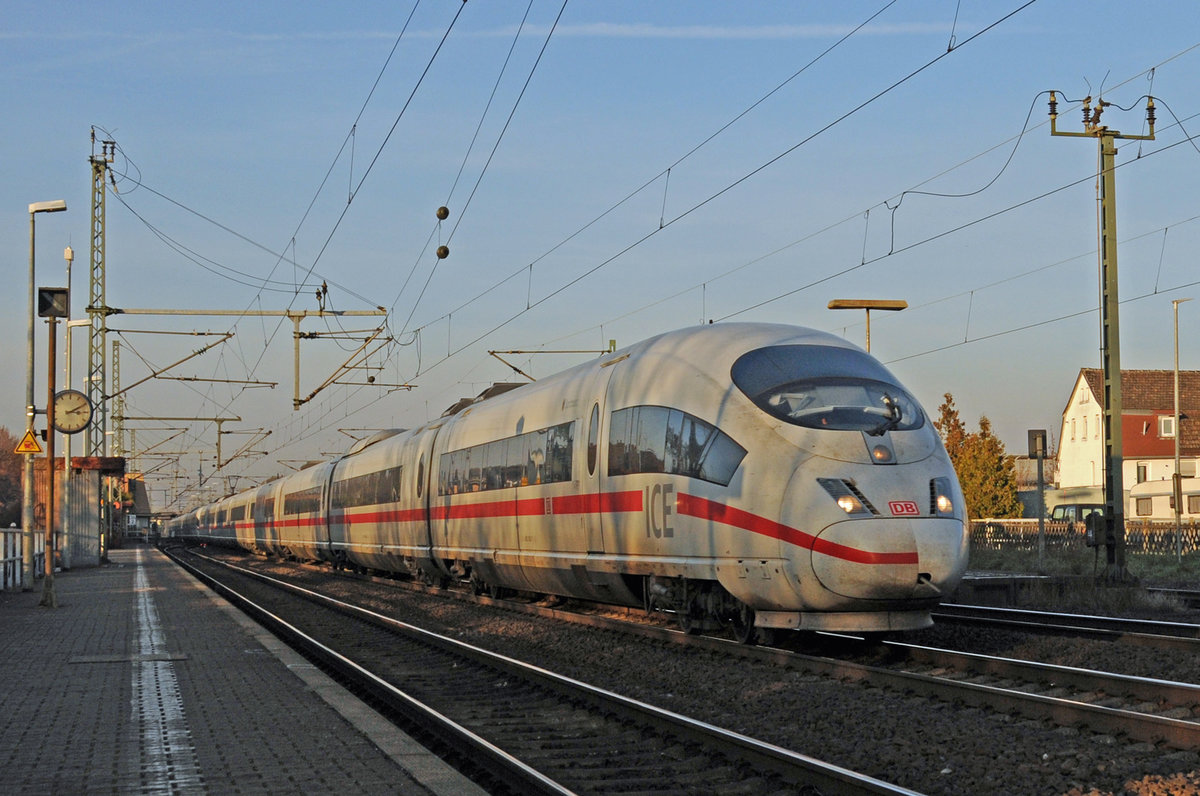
{"points": [[27, 487], [1176, 477], [868, 305], [69, 256]]}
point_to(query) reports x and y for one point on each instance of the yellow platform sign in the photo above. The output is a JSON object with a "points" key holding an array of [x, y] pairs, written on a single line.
{"points": [[28, 444]]}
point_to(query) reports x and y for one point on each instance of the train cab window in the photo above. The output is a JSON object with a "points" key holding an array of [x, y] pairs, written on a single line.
{"points": [[655, 439], [824, 387]]}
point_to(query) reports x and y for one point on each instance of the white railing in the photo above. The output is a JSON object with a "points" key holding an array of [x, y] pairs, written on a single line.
{"points": [[10, 557]]}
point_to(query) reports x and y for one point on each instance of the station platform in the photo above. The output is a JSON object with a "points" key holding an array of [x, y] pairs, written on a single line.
{"points": [[143, 681]]}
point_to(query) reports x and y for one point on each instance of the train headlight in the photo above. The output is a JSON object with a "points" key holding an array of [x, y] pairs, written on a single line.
{"points": [[848, 498], [941, 497]]}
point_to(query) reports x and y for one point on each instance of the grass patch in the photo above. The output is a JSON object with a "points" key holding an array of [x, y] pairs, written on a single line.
{"points": [[1150, 570]]}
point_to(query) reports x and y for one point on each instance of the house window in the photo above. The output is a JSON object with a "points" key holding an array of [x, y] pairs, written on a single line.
{"points": [[1096, 432], [1193, 504], [1085, 395], [1143, 472], [1084, 435], [1145, 507], [1187, 468], [1166, 427], [1072, 428]]}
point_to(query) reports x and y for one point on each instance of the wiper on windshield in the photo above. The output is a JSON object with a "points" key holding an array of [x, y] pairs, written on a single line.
{"points": [[894, 416]]}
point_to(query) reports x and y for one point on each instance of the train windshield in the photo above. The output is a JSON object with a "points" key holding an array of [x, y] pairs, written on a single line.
{"points": [[837, 389]]}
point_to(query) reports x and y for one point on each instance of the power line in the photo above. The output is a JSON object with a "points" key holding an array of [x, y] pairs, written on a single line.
{"points": [[770, 162], [707, 140]]}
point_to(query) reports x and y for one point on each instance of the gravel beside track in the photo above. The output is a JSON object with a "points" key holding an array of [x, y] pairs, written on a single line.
{"points": [[928, 746]]}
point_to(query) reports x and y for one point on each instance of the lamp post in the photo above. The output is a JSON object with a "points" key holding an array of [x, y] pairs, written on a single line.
{"points": [[69, 256], [868, 305], [27, 486], [1176, 477]]}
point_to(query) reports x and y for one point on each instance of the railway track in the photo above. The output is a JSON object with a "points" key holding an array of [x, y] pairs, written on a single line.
{"points": [[527, 729], [1138, 708], [1188, 597], [1143, 632]]}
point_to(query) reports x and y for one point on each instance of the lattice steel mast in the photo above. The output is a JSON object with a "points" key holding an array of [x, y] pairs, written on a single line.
{"points": [[97, 308]]}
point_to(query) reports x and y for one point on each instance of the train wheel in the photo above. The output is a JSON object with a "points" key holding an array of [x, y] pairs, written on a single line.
{"points": [[692, 625], [744, 631]]}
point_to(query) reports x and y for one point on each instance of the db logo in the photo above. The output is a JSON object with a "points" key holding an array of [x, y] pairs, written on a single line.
{"points": [[904, 508]]}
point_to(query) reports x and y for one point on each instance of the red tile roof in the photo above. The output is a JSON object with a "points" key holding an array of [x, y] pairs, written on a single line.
{"points": [[1152, 392]]}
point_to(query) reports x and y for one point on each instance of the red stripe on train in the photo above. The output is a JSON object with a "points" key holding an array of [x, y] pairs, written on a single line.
{"points": [[718, 512], [621, 502]]}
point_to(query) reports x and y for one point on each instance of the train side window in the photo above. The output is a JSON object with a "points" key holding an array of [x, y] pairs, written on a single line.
{"points": [[620, 445], [535, 457], [494, 461], [421, 475], [593, 438], [654, 439], [721, 460], [559, 452]]}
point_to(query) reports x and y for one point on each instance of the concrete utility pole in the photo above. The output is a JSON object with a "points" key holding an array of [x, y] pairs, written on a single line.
{"points": [[1176, 476], [1110, 335]]}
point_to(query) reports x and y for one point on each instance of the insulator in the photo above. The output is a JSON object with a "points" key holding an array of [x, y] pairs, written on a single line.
{"points": [[443, 213], [443, 252], [1150, 112], [1053, 104]]}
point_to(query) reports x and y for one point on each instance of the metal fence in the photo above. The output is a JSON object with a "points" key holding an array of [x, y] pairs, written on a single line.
{"points": [[1141, 536], [10, 557]]}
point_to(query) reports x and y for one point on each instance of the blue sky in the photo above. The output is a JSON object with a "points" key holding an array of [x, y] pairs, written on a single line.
{"points": [[649, 166]]}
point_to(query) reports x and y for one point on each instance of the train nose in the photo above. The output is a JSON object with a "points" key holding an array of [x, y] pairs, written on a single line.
{"points": [[872, 560], [891, 558]]}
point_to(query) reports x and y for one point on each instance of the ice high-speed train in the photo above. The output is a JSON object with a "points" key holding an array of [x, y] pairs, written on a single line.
{"points": [[745, 475]]}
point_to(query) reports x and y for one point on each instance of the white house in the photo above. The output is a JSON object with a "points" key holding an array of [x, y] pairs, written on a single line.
{"points": [[1148, 431]]}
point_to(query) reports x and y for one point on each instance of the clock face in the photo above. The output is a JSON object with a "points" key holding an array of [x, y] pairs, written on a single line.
{"points": [[72, 411]]}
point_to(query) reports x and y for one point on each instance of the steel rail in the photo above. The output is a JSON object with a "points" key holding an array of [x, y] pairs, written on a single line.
{"points": [[1146, 689], [1139, 726], [487, 756], [798, 768], [1140, 632]]}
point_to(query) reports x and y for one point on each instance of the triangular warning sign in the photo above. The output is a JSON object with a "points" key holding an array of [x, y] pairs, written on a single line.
{"points": [[28, 444]]}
